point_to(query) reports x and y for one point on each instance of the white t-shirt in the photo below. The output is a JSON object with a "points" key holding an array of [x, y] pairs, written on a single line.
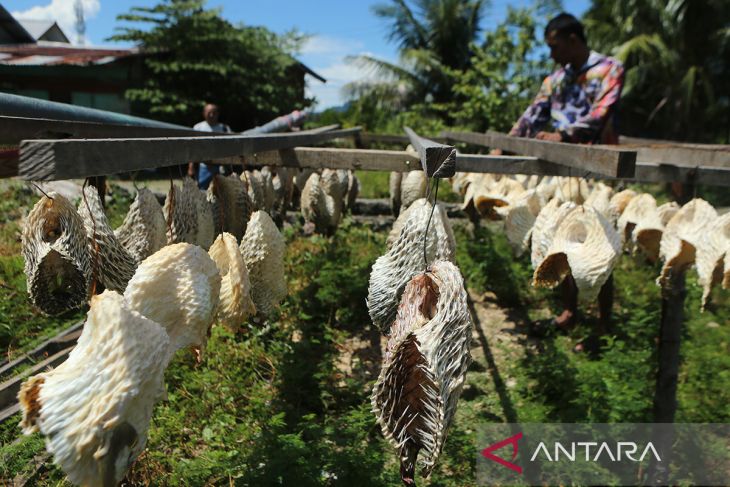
{"points": [[204, 126]]}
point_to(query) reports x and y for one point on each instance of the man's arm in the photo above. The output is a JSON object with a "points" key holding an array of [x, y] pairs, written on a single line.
{"points": [[537, 114], [587, 129]]}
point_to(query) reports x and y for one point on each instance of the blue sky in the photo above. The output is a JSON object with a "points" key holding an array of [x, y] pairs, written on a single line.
{"points": [[338, 28]]}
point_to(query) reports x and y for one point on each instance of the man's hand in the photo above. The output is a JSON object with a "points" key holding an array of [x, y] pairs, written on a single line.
{"points": [[549, 136], [495, 152]]}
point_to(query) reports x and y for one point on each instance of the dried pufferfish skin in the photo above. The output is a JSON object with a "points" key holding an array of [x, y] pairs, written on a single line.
{"points": [[520, 218], [546, 225], [114, 265], [56, 255], [618, 203], [143, 231], [412, 188], [260, 188], [404, 259], [439, 223], [682, 236], [424, 368], [503, 193], [353, 189], [205, 233], [394, 181], [231, 204], [179, 210], [585, 246], [711, 252], [235, 296], [177, 287], [95, 408], [572, 189], [600, 199], [640, 207], [263, 249], [322, 201]]}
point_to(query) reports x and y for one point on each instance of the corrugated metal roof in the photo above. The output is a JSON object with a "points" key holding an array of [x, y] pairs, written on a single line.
{"points": [[51, 54]]}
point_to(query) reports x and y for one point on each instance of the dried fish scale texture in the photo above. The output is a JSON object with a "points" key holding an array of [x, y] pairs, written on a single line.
{"points": [[682, 235], [412, 188], [269, 193], [711, 252], [235, 296], [667, 211], [177, 287], [572, 189], [546, 187], [95, 408], [416, 394], [600, 199], [110, 261], [320, 207], [394, 182], [501, 194], [618, 203], [404, 259], [263, 249], [256, 187], [545, 226], [56, 255], [231, 205], [180, 216], [353, 189], [520, 218], [585, 246], [205, 223], [334, 183], [283, 184], [639, 208], [143, 231]]}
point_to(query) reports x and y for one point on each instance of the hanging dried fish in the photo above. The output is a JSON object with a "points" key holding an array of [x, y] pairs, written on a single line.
{"points": [[572, 189], [412, 188], [143, 231], [353, 189], [260, 189], [283, 184], [682, 235], [95, 408], [600, 199], [231, 204], [177, 287], [519, 219], [618, 203], [235, 296], [263, 249], [585, 246], [56, 256], [394, 182], [322, 202], [545, 226], [112, 264], [405, 258], [415, 396], [711, 251], [502, 193], [640, 207], [205, 224], [180, 211]]}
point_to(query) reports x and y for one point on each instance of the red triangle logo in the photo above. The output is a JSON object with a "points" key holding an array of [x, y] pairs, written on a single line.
{"points": [[512, 440]]}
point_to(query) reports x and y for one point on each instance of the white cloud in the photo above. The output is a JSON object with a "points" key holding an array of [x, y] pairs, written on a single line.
{"points": [[325, 45], [62, 11]]}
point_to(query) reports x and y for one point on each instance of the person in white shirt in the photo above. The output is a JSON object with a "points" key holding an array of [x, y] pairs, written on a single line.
{"points": [[206, 171]]}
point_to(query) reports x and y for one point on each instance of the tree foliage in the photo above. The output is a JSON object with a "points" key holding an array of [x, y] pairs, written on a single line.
{"points": [[677, 58], [195, 56]]}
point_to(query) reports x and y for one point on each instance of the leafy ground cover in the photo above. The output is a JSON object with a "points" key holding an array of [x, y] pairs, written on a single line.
{"points": [[287, 402]]}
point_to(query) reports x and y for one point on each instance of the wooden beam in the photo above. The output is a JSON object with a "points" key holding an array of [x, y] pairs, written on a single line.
{"points": [[320, 158], [683, 156], [368, 138], [437, 160], [599, 160], [15, 129], [48, 160]]}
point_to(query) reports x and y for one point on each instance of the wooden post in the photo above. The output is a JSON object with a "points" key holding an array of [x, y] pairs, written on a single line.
{"points": [[665, 396], [438, 160]]}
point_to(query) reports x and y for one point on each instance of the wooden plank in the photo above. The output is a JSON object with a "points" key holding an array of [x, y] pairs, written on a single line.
{"points": [[599, 160], [380, 160], [15, 129], [10, 388], [437, 160], [683, 156], [368, 138], [49, 347], [49, 160]]}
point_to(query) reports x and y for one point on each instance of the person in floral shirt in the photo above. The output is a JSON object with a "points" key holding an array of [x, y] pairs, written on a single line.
{"points": [[574, 104], [577, 103]]}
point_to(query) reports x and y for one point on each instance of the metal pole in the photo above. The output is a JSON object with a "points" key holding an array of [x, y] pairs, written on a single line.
{"points": [[23, 106]]}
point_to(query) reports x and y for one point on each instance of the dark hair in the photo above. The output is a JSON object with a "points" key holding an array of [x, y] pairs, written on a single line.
{"points": [[564, 25]]}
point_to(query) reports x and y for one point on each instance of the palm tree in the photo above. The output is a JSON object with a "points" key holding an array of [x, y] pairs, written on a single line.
{"points": [[677, 58], [433, 36]]}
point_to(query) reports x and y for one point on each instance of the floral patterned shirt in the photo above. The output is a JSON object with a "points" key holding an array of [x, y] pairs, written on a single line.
{"points": [[578, 104]]}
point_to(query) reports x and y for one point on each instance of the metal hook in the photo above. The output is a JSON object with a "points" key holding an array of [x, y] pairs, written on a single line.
{"points": [[41, 190]]}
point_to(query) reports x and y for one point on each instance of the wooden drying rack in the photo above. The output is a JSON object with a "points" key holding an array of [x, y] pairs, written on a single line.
{"points": [[39, 147]]}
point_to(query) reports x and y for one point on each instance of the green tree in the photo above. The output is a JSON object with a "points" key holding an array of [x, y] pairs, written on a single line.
{"points": [[195, 56], [677, 58], [433, 36]]}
